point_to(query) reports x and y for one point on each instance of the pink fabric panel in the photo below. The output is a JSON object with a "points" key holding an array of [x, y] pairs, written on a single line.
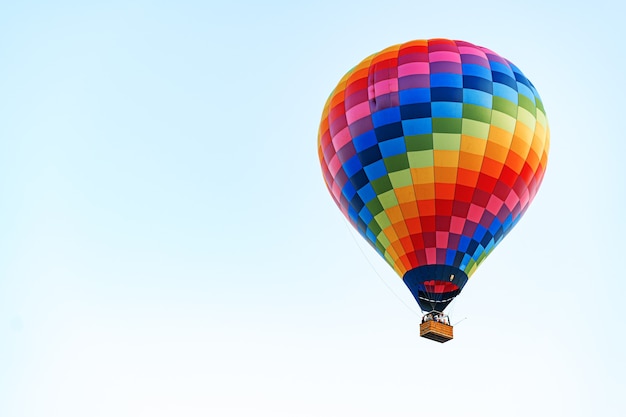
{"points": [[444, 56], [358, 112], [414, 68]]}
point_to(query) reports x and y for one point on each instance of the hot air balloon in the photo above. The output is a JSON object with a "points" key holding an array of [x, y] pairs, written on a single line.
{"points": [[433, 150]]}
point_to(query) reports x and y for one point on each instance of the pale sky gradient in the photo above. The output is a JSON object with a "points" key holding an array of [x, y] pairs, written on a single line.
{"points": [[168, 247]]}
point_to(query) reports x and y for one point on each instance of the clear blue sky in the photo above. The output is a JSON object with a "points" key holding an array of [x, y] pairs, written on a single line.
{"points": [[168, 247]]}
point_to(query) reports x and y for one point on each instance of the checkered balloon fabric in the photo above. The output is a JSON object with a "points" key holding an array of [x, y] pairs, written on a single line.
{"points": [[433, 150]]}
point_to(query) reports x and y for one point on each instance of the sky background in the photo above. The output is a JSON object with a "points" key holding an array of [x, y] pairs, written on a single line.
{"points": [[168, 247]]}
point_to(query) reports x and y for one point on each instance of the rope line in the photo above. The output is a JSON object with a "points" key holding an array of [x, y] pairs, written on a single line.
{"points": [[436, 301], [463, 319], [350, 231]]}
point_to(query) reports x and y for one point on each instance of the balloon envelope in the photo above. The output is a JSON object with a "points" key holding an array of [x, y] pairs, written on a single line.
{"points": [[433, 150]]}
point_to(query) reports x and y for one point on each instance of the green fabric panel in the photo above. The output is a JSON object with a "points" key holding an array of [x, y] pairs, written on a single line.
{"points": [[447, 141], [384, 240], [539, 104], [421, 159], [383, 221], [401, 178], [541, 118], [478, 113], [375, 228], [396, 163], [374, 207], [505, 106], [389, 259], [381, 185], [380, 247], [527, 104], [525, 117], [388, 199], [503, 121], [419, 142], [476, 129], [470, 263], [446, 125]]}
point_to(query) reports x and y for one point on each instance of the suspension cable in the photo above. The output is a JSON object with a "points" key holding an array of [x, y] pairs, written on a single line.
{"points": [[351, 232]]}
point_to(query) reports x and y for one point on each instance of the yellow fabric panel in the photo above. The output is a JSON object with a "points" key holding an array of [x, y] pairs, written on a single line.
{"points": [[496, 151], [472, 145], [405, 194], [521, 145], [423, 175], [470, 161], [446, 158], [501, 136]]}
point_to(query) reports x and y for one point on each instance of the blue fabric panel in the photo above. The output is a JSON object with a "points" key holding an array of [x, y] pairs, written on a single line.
{"points": [[359, 180], [386, 116], [477, 71], [447, 110], [464, 243], [376, 170], [352, 166], [500, 78], [479, 233], [367, 193], [364, 141], [416, 111], [447, 93], [478, 83], [479, 98], [417, 126], [450, 256], [446, 80], [353, 215], [371, 236], [415, 95], [392, 147], [366, 215], [501, 68], [348, 190], [390, 131], [526, 91], [370, 155], [506, 92]]}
